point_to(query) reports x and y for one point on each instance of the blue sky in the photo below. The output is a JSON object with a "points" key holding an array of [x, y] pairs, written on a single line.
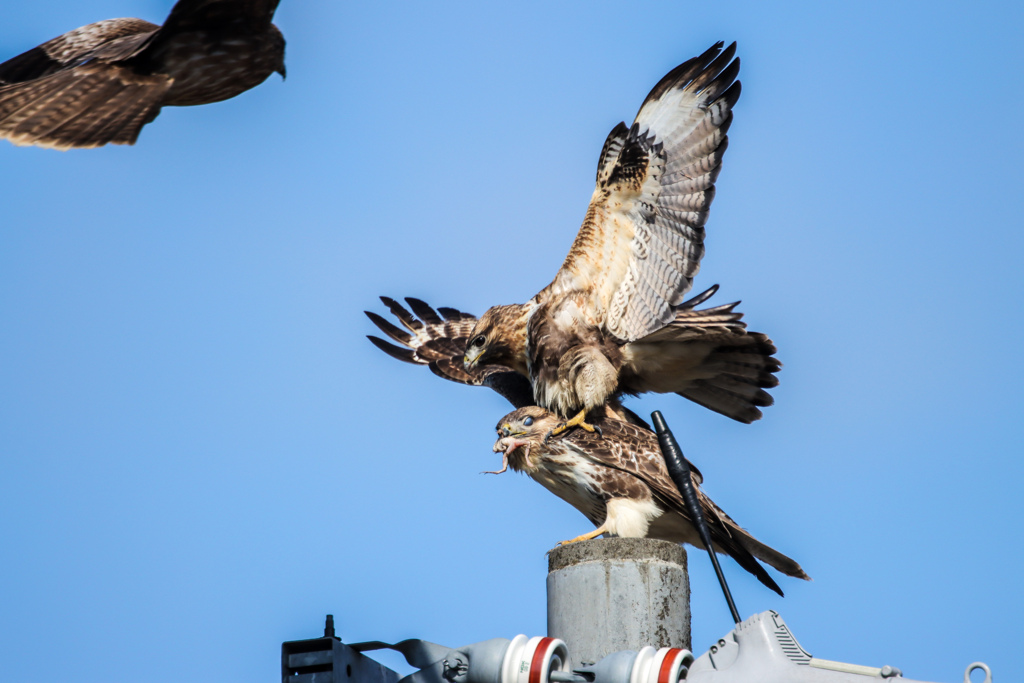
{"points": [[201, 455]]}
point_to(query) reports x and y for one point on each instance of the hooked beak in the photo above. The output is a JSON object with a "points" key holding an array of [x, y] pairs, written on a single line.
{"points": [[471, 358]]}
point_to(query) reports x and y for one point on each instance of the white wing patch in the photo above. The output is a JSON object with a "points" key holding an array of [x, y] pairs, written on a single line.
{"points": [[642, 239]]}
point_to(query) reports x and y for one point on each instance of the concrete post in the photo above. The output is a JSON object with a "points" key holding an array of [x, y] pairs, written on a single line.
{"points": [[614, 594]]}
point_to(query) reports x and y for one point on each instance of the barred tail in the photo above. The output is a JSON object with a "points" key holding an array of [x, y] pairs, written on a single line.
{"points": [[735, 375], [707, 356]]}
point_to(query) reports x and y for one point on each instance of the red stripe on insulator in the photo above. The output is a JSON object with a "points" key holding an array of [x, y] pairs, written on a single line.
{"points": [[540, 656], [666, 665]]}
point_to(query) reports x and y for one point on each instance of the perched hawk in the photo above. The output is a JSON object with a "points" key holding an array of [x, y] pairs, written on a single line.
{"points": [[620, 483], [103, 82], [613, 321]]}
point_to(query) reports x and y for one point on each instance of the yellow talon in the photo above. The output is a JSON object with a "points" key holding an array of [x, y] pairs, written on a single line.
{"points": [[578, 421], [586, 537]]}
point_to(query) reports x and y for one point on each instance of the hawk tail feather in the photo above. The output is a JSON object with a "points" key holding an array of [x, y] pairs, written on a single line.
{"points": [[738, 551], [719, 364], [723, 315], [770, 556], [696, 301], [746, 550], [741, 367]]}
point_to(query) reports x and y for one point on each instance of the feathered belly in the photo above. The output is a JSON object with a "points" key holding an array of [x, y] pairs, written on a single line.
{"points": [[604, 496], [572, 480], [583, 379], [572, 364], [556, 396]]}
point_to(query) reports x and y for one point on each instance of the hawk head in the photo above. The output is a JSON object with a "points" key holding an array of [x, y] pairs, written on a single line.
{"points": [[499, 338], [522, 430]]}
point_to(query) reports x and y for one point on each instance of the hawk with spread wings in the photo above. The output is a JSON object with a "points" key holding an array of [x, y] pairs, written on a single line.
{"points": [[614, 320], [620, 483], [103, 82]]}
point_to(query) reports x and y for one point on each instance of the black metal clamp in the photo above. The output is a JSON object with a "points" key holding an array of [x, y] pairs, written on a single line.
{"points": [[679, 470]]}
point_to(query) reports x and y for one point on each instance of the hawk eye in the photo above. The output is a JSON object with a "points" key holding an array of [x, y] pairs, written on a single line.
{"points": [[479, 340], [528, 422]]}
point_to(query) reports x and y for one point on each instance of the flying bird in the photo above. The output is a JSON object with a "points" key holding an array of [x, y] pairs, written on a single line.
{"points": [[620, 483], [103, 82], [614, 320]]}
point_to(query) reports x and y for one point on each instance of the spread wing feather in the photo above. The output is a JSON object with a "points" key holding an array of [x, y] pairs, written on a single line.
{"points": [[438, 339], [96, 84], [641, 241], [74, 91], [85, 106], [110, 39]]}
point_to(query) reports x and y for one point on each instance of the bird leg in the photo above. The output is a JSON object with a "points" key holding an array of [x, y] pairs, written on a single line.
{"points": [[578, 421], [587, 536]]}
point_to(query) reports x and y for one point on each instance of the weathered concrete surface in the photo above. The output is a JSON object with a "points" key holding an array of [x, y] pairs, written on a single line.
{"points": [[614, 594]]}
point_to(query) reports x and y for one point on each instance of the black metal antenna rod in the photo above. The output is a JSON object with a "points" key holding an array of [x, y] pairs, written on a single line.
{"points": [[679, 470]]}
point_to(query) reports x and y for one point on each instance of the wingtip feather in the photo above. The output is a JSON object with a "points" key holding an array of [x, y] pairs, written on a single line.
{"points": [[404, 355], [424, 310], [396, 333]]}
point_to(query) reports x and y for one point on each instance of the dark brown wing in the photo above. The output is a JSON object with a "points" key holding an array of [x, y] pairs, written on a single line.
{"points": [[635, 450], [86, 106], [190, 15], [110, 39], [74, 91], [438, 340]]}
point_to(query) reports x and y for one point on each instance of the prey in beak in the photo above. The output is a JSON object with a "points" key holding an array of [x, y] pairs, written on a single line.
{"points": [[506, 444]]}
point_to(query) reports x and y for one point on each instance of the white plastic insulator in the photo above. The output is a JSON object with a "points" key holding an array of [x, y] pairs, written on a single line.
{"points": [[513, 657], [531, 660], [667, 665], [642, 665]]}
